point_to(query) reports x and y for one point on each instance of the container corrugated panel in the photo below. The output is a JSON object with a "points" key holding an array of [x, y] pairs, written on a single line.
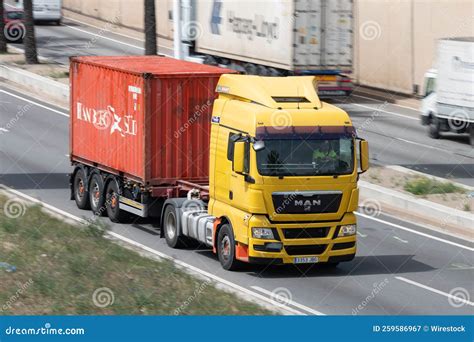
{"points": [[145, 117]]}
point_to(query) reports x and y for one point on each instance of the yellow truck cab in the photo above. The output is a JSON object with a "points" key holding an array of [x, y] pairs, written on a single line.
{"points": [[283, 173]]}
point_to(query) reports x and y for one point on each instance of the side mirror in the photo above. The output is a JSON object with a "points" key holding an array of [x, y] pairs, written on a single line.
{"points": [[238, 160], [258, 145], [364, 155]]}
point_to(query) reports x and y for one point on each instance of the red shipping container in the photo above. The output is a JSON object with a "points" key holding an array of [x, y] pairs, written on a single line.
{"points": [[144, 117]]}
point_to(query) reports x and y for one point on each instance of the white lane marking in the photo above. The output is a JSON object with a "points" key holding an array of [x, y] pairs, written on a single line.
{"points": [[3, 130], [460, 266], [400, 239], [104, 37], [289, 301], [361, 235], [104, 29], [160, 254], [416, 232], [35, 103], [393, 104], [384, 111], [118, 34], [422, 145], [448, 295]]}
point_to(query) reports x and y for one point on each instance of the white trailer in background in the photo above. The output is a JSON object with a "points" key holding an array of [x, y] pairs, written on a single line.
{"points": [[448, 105], [280, 37]]}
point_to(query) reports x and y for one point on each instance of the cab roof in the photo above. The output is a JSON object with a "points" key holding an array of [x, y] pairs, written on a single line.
{"points": [[252, 104], [273, 92]]}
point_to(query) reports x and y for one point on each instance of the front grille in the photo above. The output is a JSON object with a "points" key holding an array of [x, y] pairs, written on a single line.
{"points": [[305, 249], [311, 202], [343, 245], [305, 233]]}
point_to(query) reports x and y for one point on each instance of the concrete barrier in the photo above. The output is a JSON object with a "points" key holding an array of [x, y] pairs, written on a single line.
{"points": [[445, 217], [56, 90]]}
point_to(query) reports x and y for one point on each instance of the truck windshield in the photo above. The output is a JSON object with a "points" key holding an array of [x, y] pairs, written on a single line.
{"points": [[306, 155]]}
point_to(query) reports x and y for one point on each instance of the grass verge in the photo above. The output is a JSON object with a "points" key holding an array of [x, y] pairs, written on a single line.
{"points": [[429, 186], [66, 270]]}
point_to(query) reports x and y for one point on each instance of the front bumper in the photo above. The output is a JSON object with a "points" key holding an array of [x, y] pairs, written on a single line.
{"points": [[302, 240]]}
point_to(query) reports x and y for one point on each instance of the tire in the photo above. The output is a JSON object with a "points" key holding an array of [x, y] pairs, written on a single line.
{"points": [[113, 205], [170, 226], [58, 22], [97, 195], [80, 190], [226, 248], [434, 128], [471, 134]]}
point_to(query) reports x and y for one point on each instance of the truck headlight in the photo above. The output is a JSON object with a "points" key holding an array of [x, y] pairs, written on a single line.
{"points": [[262, 233], [347, 230]]}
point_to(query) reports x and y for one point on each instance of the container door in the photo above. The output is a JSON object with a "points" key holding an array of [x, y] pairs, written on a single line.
{"points": [[307, 38], [337, 33]]}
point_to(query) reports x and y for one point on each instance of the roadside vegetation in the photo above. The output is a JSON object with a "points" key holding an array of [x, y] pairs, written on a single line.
{"points": [[48, 267], [427, 186], [444, 192]]}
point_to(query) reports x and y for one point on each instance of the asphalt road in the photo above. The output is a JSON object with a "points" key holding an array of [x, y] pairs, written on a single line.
{"points": [[395, 134], [400, 268]]}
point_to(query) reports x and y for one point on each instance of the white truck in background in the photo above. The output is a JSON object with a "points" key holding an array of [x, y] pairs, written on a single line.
{"points": [[448, 105], [281, 37], [45, 10]]}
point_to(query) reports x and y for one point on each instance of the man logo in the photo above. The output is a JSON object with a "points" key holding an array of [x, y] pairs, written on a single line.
{"points": [[307, 204]]}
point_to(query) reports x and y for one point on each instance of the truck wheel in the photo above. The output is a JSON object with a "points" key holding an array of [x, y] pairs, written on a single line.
{"points": [[434, 127], [226, 248], [81, 194], [96, 195], [112, 204], [170, 227]]}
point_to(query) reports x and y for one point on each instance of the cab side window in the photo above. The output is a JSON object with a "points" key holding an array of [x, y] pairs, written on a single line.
{"points": [[230, 145]]}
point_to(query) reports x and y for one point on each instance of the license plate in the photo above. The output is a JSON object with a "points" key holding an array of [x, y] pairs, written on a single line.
{"points": [[305, 260]]}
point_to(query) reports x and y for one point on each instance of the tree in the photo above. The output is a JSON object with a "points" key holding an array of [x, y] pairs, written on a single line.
{"points": [[31, 55], [150, 28], [3, 39]]}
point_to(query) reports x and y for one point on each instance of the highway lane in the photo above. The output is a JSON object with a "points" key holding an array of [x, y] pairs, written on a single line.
{"points": [[395, 134], [392, 274], [397, 138]]}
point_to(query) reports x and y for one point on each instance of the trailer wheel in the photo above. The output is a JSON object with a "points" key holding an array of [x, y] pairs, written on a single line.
{"points": [[226, 248], [96, 195], [434, 128], [112, 204], [170, 227], [80, 189]]}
